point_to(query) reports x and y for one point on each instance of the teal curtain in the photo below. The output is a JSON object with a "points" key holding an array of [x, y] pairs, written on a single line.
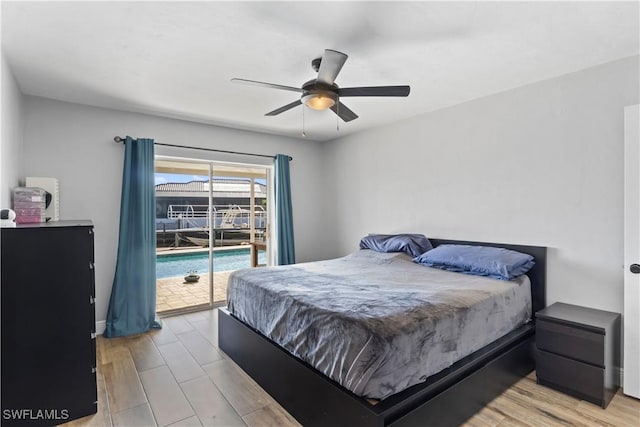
{"points": [[284, 215], [132, 307]]}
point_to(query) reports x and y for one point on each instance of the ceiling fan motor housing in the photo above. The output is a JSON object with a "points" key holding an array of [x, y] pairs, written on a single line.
{"points": [[314, 85]]}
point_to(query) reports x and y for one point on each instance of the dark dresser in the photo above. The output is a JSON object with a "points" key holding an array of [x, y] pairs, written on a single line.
{"points": [[48, 323], [578, 351]]}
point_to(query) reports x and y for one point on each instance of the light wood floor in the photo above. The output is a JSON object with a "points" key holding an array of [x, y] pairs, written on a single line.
{"points": [[177, 376]]}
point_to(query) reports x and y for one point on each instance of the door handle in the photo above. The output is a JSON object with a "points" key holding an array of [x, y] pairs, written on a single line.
{"points": [[634, 268]]}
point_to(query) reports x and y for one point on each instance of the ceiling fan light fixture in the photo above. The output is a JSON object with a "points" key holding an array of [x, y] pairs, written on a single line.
{"points": [[320, 100]]}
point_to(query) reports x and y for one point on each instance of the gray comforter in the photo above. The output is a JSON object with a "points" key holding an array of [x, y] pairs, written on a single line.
{"points": [[377, 323]]}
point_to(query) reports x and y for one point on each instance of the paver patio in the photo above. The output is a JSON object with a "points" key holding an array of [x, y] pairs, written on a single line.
{"points": [[174, 293]]}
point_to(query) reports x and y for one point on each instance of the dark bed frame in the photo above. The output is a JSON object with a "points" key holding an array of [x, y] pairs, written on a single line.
{"points": [[446, 399]]}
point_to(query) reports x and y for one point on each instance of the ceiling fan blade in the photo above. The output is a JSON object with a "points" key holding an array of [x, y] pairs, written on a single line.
{"points": [[283, 109], [344, 112], [375, 91], [269, 85], [330, 66]]}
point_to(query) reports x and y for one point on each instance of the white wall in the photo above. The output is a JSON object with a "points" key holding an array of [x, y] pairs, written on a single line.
{"points": [[12, 135], [537, 165], [75, 144]]}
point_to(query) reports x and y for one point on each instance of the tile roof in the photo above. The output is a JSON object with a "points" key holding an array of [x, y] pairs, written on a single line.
{"points": [[219, 186]]}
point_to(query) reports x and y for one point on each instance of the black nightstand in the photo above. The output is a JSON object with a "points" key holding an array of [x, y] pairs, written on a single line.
{"points": [[578, 350]]}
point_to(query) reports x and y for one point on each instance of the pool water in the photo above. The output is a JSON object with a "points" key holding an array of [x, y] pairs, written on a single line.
{"points": [[180, 265]]}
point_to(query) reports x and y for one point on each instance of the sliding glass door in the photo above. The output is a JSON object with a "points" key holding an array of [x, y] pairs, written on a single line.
{"points": [[211, 219], [239, 221]]}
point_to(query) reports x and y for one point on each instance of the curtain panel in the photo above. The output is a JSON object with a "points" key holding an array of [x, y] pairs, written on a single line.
{"points": [[132, 307], [284, 213]]}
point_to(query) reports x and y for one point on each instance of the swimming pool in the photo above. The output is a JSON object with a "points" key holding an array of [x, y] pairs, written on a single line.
{"points": [[179, 265]]}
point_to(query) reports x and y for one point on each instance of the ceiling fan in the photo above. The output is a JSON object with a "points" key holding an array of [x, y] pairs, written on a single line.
{"points": [[322, 93]]}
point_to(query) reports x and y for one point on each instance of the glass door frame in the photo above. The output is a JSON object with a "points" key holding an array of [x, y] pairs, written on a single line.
{"points": [[203, 306], [270, 221]]}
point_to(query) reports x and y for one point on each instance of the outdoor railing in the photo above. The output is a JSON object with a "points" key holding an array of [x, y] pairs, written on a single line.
{"points": [[227, 216]]}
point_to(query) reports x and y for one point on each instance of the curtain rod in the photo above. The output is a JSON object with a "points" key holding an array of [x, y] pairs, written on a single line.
{"points": [[121, 140]]}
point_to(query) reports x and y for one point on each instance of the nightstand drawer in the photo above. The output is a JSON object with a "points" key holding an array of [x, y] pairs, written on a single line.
{"points": [[570, 341], [569, 376]]}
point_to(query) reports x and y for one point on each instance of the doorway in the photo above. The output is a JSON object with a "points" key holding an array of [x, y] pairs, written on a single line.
{"points": [[212, 218], [631, 328]]}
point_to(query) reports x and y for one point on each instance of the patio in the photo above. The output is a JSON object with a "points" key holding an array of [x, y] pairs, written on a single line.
{"points": [[174, 293]]}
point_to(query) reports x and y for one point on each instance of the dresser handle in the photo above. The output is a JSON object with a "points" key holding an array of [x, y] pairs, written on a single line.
{"points": [[634, 268]]}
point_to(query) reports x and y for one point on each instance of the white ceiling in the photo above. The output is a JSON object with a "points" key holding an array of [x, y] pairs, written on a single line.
{"points": [[176, 59]]}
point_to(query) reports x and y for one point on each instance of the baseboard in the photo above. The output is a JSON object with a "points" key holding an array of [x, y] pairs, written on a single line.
{"points": [[101, 326], [620, 375]]}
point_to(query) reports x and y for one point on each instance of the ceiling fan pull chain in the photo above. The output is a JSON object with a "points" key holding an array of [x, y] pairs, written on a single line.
{"points": [[338, 116], [304, 135]]}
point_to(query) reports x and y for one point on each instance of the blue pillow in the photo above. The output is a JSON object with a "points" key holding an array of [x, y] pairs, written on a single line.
{"points": [[499, 263], [412, 244]]}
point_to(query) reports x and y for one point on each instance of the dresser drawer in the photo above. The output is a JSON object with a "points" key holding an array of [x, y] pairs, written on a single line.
{"points": [[570, 341], [569, 376]]}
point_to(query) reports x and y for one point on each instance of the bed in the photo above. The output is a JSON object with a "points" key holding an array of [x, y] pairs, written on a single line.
{"points": [[371, 361]]}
